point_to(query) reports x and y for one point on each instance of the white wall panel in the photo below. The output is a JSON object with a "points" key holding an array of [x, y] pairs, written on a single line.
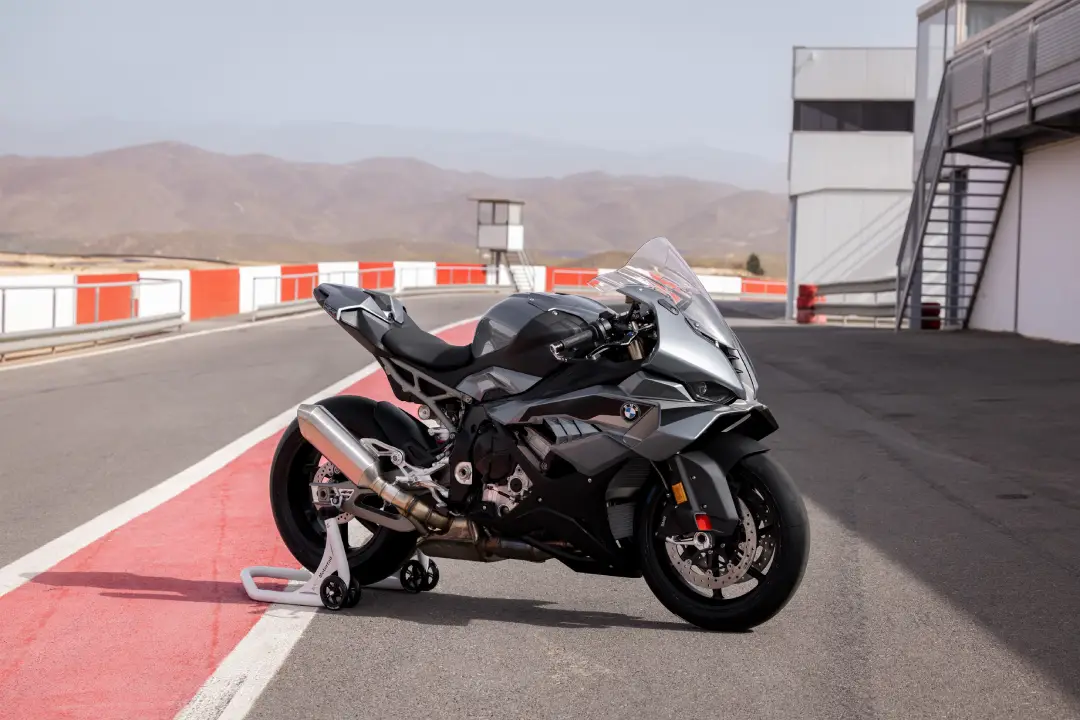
{"points": [[259, 284], [36, 302], [165, 298], [848, 235], [995, 306], [339, 273], [854, 74], [414, 274], [839, 160], [1049, 293]]}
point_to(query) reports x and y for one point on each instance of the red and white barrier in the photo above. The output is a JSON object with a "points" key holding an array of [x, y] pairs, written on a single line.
{"points": [[36, 302]]}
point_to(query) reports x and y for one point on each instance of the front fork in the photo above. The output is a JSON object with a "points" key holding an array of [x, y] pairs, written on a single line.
{"points": [[704, 504]]}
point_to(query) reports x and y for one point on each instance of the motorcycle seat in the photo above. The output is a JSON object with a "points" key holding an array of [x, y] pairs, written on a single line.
{"points": [[422, 348]]}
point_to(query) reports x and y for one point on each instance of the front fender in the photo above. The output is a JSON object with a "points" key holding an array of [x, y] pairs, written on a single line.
{"points": [[699, 482]]}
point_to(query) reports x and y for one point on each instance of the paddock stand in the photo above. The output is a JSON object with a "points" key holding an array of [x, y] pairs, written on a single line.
{"points": [[331, 586]]}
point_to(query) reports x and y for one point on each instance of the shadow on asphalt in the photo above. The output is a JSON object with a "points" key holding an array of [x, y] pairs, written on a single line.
{"points": [[429, 608], [130, 586], [448, 609], [956, 455]]}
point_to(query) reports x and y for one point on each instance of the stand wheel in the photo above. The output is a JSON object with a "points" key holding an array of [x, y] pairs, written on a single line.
{"points": [[412, 576], [431, 578], [352, 596], [333, 592]]}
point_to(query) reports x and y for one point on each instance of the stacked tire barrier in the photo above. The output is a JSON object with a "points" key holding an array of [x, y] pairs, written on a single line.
{"points": [[804, 306]]}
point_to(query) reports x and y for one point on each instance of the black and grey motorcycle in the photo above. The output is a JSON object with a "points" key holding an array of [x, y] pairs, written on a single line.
{"points": [[619, 439]]}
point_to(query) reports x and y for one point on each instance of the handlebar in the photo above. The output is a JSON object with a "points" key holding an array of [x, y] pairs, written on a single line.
{"points": [[593, 333]]}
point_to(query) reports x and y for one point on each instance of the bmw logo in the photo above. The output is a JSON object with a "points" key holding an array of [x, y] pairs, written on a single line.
{"points": [[629, 411]]}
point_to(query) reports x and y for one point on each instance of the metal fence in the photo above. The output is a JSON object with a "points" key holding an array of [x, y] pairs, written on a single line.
{"points": [[82, 313], [54, 316], [1025, 70], [276, 295]]}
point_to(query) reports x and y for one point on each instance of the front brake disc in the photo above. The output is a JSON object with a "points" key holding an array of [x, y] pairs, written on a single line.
{"points": [[731, 572]]}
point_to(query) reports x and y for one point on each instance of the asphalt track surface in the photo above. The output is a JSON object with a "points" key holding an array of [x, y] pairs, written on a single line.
{"points": [[939, 473]]}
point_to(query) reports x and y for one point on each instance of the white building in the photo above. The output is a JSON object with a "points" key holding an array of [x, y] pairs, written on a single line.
{"points": [[994, 236], [849, 163]]}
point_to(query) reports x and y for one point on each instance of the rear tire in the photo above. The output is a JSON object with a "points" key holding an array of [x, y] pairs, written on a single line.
{"points": [[293, 469], [775, 587]]}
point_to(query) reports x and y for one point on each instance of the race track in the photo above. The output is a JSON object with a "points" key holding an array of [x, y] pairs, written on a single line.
{"points": [[929, 593]]}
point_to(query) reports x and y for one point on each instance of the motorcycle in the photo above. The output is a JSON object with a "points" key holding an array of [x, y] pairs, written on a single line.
{"points": [[619, 439]]}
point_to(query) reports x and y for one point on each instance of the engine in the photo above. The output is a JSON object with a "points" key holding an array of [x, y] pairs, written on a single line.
{"points": [[507, 494], [505, 482]]}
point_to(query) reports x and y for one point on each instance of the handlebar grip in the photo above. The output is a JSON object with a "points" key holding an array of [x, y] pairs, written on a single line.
{"points": [[591, 334], [579, 339]]}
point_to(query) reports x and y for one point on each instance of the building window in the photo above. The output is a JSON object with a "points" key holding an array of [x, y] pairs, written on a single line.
{"points": [[854, 115]]}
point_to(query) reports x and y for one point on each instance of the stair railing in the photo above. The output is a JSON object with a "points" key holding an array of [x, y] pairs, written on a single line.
{"points": [[922, 201]]}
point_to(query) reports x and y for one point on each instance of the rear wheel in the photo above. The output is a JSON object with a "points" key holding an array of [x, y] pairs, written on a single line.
{"points": [[743, 580], [374, 552]]}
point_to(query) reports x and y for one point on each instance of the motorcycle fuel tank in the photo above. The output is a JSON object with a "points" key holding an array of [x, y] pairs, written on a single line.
{"points": [[522, 327]]}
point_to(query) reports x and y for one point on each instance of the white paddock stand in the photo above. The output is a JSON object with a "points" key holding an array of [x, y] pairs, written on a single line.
{"points": [[331, 586]]}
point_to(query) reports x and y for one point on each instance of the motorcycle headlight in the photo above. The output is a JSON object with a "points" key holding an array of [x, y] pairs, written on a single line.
{"points": [[711, 392]]}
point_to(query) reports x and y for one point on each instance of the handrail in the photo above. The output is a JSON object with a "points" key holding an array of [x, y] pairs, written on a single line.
{"points": [[858, 310], [1018, 37], [922, 198], [1025, 15], [852, 287]]}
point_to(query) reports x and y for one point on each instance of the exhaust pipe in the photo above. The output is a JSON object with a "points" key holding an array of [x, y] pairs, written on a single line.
{"points": [[457, 537], [340, 447]]}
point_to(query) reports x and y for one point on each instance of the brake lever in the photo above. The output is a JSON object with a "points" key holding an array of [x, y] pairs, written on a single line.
{"points": [[622, 343]]}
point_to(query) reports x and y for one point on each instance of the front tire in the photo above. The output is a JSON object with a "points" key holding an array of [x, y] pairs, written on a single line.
{"points": [[303, 532], [763, 487]]}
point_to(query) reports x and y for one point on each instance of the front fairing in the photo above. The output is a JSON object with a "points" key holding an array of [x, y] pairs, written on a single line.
{"points": [[684, 354], [695, 342]]}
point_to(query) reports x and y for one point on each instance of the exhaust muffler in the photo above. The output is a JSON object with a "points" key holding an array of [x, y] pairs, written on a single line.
{"points": [[454, 537], [340, 447]]}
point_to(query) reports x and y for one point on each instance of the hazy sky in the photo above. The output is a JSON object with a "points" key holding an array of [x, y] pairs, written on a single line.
{"points": [[623, 75]]}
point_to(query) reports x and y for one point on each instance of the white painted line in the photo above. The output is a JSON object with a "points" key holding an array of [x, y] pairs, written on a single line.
{"points": [[238, 682], [235, 686], [20, 571]]}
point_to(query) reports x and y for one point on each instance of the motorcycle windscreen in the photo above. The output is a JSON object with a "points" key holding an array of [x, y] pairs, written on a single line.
{"points": [[658, 265]]}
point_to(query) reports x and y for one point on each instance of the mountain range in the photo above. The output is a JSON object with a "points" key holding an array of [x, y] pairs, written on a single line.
{"points": [[500, 154], [171, 198]]}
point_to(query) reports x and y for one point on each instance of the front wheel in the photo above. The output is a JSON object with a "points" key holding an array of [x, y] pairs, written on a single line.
{"points": [[743, 580]]}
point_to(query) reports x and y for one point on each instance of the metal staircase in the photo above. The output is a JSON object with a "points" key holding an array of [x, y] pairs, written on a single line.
{"points": [[954, 215], [520, 270]]}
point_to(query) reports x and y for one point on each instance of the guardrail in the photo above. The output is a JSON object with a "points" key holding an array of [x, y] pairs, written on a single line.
{"points": [[52, 338], [76, 319], [54, 316], [858, 302], [401, 282]]}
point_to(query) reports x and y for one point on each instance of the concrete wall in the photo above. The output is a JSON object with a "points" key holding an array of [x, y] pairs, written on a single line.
{"points": [[35, 302], [854, 74], [850, 190], [848, 234], [1030, 281], [849, 161]]}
